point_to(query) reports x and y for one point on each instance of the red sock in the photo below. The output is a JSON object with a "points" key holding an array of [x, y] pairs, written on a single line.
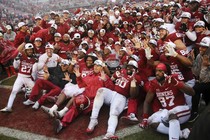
{"points": [[8, 71], [12, 69]]}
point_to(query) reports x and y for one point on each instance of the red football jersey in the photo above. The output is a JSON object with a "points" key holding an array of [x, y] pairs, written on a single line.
{"points": [[167, 94], [171, 37], [84, 70], [123, 82], [26, 65]]}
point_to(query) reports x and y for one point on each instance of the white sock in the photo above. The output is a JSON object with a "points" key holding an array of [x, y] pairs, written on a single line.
{"points": [[174, 129], [112, 124], [54, 107], [162, 129], [97, 104], [63, 111], [11, 99]]}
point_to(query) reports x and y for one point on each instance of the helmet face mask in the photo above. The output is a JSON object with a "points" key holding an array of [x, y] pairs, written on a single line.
{"points": [[81, 102]]}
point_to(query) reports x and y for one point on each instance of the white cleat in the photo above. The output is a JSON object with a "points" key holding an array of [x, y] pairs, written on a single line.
{"points": [[36, 105], [6, 109], [28, 102], [47, 110], [185, 133], [91, 126]]}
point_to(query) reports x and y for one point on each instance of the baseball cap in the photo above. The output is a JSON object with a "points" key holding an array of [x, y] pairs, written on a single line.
{"points": [[65, 62], [38, 17], [139, 23], [98, 14], [117, 43], [125, 22], [38, 39], [171, 3], [52, 12], [8, 27], [84, 42], [98, 62], [102, 30], [82, 50], [154, 42], [123, 49], [163, 27], [1, 34], [90, 31], [54, 26], [76, 36], [66, 11], [138, 14], [21, 24], [90, 21], [135, 57], [205, 42], [199, 23], [29, 46], [49, 46], [185, 15], [133, 63], [108, 47], [57, 35], [191, 1], [127, 11], [159, 20], [92, 54]]}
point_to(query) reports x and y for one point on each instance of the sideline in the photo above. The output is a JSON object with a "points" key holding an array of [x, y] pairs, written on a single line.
{"points": [[123, 132], [23, 135]]}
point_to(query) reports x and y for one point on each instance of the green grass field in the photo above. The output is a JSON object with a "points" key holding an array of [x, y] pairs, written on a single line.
{"points": [[8, 81], [2, 137]]}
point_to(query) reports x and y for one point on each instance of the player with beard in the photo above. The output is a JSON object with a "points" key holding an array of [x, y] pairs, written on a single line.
{"points": [[170, 95], [65, 50], [126, 85], [25, 63], [165, 36]]}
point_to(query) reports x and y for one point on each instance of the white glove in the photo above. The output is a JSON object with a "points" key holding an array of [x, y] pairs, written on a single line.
{"points": [[72, 29], [81, 29], [73, 62], [154, 30], [171, 51], [171, 44], [148, 53], [97, 45]]}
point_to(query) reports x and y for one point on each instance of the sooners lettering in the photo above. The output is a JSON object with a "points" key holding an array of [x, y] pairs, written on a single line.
{"points": [[166, 98], [175, 70]]}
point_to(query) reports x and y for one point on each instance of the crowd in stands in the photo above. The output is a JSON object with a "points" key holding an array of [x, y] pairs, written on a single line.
{"points": [[132, 51]]}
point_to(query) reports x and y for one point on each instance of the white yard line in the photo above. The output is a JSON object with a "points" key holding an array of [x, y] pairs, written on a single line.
{"points": [[23, 135], [123, 132]]}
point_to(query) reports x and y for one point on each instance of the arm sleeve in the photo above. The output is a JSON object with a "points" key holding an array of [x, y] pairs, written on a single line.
{"points": [[80, 82], [191, 35]]}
